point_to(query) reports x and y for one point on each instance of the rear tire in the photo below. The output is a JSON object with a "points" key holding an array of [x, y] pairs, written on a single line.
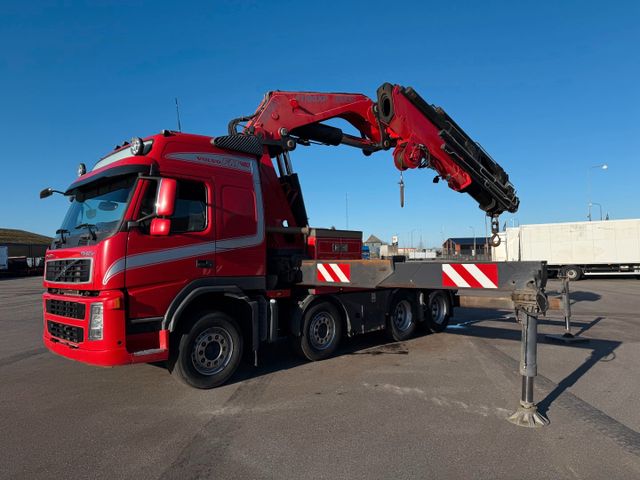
{"points": [[573, 273], [208, 353], [438, 312], [321, 332], [403, 317]]}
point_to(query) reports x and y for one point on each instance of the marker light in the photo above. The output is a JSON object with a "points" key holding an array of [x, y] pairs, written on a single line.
{"points": [[95, 321], [82, 169], [137, 146]]}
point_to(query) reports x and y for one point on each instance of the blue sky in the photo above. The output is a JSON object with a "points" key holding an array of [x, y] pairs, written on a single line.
{"points": [[548, 88]]}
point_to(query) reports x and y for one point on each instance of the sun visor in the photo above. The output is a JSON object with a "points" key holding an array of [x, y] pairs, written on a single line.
{"points": [[107, 174]]}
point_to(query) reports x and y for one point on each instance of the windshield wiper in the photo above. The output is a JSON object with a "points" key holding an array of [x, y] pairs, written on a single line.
{"points": [[61, 240], [90, 227]]}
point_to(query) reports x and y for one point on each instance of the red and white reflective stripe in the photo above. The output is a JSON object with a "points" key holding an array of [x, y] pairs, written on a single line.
{"points": [[334, 272], [470, 275]]}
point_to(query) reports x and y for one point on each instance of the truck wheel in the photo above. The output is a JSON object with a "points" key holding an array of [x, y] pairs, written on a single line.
{"points": [[209, 353], [573, 273], [438, 312], [402, 317], [321, 332]]}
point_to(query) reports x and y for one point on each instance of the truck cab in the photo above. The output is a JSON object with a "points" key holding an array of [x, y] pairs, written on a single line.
{"points": [[150, 222]]}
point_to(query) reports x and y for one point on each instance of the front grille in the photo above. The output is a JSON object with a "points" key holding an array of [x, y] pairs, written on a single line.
{"points": [[66, 309], [75, 270], [65, 332]]}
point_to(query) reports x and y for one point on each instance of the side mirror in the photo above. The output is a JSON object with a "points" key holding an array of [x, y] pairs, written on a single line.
{"points": [[47, 192], [160, 227], [166, 198]]}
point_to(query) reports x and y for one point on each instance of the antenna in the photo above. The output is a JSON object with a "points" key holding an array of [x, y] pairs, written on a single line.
{"points": [[178, 115]]}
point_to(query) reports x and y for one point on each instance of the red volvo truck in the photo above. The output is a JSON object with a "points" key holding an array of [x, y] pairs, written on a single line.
{"points": [[193, 249]]}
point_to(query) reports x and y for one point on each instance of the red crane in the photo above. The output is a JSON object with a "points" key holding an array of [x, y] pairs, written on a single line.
{"points": [[421, 135]]}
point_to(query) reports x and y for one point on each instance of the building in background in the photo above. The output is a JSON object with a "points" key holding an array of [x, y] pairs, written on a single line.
{"points": [[24, 250], [374, 244], [463, 247]]}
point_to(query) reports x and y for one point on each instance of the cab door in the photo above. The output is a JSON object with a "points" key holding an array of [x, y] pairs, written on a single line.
{"points": [[157, 266]]}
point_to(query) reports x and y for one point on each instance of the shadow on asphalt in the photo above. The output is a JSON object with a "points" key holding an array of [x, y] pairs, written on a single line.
{"points": [[279, 356], [579, 296], [601, 350]]}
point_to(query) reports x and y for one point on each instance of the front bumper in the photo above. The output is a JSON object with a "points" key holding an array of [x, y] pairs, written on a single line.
{"points": [[66, 330], [102, 358]]}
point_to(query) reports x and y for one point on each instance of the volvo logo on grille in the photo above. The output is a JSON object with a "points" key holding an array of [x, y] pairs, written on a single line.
{"points": [[64, 269]]}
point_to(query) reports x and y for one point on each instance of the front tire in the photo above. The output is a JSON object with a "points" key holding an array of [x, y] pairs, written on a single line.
{"points": [[403, 317], [321, 332], [209, 353]]}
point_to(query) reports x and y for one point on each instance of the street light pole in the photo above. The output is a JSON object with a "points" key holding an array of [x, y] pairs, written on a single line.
{"points": [[474, 241], [602, 166], [599, 205], [411, 235]]}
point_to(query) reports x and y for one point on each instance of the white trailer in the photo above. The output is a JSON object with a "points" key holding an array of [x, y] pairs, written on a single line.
{"points": [[4, 258], [610, 247]]}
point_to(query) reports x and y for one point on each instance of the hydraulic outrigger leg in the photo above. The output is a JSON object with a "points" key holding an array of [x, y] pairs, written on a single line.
{"points": [[527, 414]]}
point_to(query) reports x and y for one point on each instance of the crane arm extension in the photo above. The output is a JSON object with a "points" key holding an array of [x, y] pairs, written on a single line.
{"points": [[422, 136], [426, 136]]}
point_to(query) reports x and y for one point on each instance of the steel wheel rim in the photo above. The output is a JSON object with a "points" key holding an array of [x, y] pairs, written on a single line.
{"points": [[572, 274], [438, 310], [322, 330], [402, 315], [212, 351]]}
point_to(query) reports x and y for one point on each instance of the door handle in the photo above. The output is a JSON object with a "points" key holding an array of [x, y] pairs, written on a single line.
{"points": [[201, 263]]}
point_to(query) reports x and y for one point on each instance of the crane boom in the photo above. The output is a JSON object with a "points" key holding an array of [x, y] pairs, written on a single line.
{"points": [[422, 136]]}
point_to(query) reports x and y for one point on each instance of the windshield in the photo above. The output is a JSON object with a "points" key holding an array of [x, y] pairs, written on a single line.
{"points": [[96, 211]]}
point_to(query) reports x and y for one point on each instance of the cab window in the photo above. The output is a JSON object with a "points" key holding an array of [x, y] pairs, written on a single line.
{"points": [[190, 214]]}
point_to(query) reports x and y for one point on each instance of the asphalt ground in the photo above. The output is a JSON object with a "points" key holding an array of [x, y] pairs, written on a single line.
{"points": [[432, 407]]}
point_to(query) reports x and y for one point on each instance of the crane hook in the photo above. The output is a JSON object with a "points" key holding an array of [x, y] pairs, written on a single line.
{"points": [[401, 183], [495, 228]]}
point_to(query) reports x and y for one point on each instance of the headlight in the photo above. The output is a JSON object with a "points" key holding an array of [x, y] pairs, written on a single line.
{"points": [[95, 321]]}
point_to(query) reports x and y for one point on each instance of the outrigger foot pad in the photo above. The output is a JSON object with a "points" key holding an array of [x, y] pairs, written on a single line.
{"points": [[527, 415]]}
